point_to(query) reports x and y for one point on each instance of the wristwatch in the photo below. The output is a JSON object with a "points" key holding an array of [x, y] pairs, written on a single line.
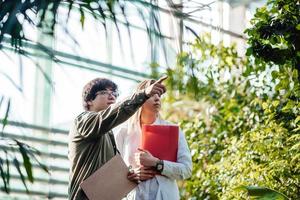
{"points": [[160, 165]]}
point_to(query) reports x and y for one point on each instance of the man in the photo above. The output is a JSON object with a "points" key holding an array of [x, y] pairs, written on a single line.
{"points": [[91, 141]]}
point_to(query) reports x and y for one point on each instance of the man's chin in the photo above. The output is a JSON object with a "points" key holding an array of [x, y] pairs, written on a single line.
{"points": [[104, 107]]}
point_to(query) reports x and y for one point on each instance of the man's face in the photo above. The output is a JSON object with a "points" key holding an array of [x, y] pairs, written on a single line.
{"points": [[103, 99]]}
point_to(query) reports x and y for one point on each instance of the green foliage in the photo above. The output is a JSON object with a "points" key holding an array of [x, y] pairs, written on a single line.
{"points": [[275, 32], [11, 150], [12, 12], [261, 193], [15, 14], [247, 132]]}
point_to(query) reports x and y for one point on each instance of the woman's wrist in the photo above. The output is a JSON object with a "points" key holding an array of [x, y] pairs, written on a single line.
{"points": [[159, 166], [155, 161]]}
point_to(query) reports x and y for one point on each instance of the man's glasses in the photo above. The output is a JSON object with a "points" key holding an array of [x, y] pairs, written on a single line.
{"points": [[107, 93]]}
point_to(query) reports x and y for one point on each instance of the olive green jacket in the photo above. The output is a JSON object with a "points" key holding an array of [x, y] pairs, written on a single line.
{"points": [[91, 141]]}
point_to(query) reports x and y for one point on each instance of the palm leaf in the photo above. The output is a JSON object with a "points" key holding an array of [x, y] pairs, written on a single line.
{"points": [[1, 100], [7, 169], [26, 160], [128, 30], [12, 81], [113, 16], [82, 17], [3, 176], [4, 120], [33, 152], [9, 9], [17, 165], [26, 152]]}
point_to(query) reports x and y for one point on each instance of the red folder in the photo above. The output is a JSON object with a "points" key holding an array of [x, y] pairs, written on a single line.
{"points": [[161, 141]]}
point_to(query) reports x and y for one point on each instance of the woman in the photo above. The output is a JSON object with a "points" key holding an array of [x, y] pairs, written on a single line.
{"points": [[156, 178]]}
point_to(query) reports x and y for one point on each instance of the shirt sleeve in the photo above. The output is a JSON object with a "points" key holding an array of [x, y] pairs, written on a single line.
{"points": [[91, 125], [182, 169]]}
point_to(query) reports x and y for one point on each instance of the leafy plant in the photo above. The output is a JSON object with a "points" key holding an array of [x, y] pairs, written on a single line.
{"points": [[261, 193], [275, 33], [247, 130], [249, 134], [15, 14], [11, 150]]}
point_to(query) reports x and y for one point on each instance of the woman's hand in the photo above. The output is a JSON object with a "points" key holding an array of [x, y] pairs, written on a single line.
{"points": [[134, 177], [145, 173], [145, 158], [140, 174]]}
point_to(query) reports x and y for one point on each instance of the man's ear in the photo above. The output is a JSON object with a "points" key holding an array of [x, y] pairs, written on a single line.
{"points": [[89, 103]]}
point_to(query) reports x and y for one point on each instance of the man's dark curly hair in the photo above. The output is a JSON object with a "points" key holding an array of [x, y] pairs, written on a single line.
{"points": [[94, 86]]}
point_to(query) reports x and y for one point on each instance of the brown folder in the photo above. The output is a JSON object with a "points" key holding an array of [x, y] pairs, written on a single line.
{"points": [[109, 182]]}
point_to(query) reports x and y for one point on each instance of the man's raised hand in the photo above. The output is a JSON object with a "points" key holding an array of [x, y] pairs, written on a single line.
{"points": [[156, 88]]}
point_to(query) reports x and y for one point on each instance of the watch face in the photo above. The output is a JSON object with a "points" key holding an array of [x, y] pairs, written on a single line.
{"points": [[159, 166]]}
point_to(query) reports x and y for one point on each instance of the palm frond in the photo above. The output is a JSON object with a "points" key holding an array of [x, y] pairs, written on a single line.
{"points": [[11, 148]]}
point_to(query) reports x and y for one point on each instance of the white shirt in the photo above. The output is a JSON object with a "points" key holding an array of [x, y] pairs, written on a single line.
{"points": [[159, 187]]}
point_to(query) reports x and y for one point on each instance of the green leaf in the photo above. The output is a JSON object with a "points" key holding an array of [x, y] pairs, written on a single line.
{"points": [[296, 147], [7, 168], [289, 106], [3, 176], [1, 100], [295, 73], [296, 129], [82, 17], [44, 167], [263, 193], [265, 105], [297, 119], [249, 51], [17, 165], [275, 103], [26, 160], [275, 74], [296, 159], [5, 119]]}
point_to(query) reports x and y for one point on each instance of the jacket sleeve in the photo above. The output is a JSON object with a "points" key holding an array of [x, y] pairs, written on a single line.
{"points": [[182, 169], [91, 125]]}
